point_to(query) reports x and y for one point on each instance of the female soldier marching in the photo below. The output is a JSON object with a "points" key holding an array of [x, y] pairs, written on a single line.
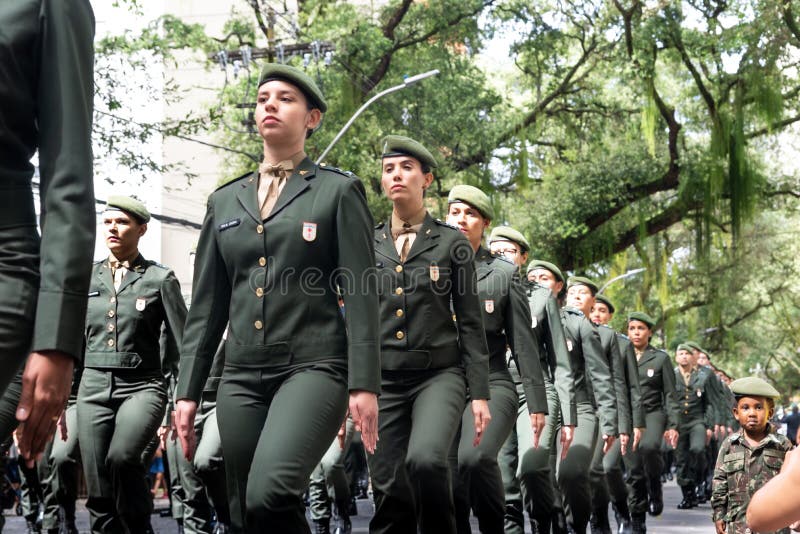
{"points": [[276, 249]]}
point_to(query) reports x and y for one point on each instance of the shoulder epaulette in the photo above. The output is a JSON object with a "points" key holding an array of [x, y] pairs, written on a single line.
{"points": [[380, 225], [156, 264], [98, 262], [573, 311], [448, 225], [623, 335], [605, 326], [337, 170], [234, 180], [502, 258]]}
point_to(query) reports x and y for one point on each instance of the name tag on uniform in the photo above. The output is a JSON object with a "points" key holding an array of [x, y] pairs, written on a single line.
{"points": [[140, 304], [229, 224], [435, 275], [309, 231], [651, 373], [488, 306], [534, 322], [569, 345], [94, 294]]}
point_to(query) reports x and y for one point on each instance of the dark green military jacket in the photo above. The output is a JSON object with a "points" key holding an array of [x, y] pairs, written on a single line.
{"points": [[657, 380], [507, 320], [740, 470], [124, 327], [548, 334], [611, 350], [632, 379], [717, 396], [694, 403], [277, 280], [417, 330], [46, 94], [593, 382]]}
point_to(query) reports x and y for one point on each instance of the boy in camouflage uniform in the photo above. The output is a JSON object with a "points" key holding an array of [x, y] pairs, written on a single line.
{"points": [[747, 458]]}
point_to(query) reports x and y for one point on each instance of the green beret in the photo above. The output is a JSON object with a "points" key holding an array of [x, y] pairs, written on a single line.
{"points": [[546, 265], [684, 346], [643, 317], [399, 145], [129, 205], [506, 233], [582, 281], [605, 300], [296, 77], [693, 345], [474, 197], [753, 386]]}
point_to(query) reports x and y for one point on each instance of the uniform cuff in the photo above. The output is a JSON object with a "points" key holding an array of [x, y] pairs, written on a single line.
{"points": [[60, 323]]}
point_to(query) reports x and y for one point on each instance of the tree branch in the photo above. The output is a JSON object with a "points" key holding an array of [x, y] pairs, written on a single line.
{"points": [[774, 126], [788, 18]]}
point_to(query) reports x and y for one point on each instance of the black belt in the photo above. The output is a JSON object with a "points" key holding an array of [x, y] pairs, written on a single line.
{"points": [[16, 206]]}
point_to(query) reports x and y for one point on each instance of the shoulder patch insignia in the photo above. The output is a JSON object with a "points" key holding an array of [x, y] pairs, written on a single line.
{"points": [[238, 178]]}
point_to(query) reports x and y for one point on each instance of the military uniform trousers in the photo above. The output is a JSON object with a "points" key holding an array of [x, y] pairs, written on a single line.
{"points": [[276, 424], [478, 484], [691, 452], [573, 471], [508, 461], [608, 481], [646, 462], [419, 416], [329, 478], [19, 282], [208, 460], [118, 415], [60, 485], [193, 507]]}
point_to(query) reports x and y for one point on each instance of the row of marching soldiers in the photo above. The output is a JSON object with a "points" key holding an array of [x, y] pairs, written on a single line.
{"points": [[579, 412], [465, 426]]}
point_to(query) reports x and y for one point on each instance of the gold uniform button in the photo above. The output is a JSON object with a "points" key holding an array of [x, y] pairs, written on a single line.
{"points": [[399, 313], [110, 327], [110, 342], [262, 261], [260, 228], [400, 334], [399, 268], [258, 324], [111, 313], [398, 291], [259, 292]]}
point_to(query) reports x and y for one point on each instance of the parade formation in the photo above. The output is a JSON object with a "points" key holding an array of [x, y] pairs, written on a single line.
{"points": [[478, 380]]}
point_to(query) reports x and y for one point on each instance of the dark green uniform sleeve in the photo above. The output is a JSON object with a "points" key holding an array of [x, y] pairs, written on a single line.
{"points": [[620, 388], [524, 348], [632, 376], [564, 379], [599, 374], [359, 288], [208, 315], [175, 315], [668, 383], [64, 119], [471, 335], [715, 398]]}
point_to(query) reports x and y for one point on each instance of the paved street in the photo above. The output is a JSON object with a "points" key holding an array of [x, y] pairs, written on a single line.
{"points": [[672, 521]]}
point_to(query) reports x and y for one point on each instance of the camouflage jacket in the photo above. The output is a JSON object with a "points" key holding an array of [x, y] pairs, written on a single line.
{"points": [[740, 471]]}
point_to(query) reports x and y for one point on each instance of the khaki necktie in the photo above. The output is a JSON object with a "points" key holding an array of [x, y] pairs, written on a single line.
{"points": [[118, 270], [406, 234], [271, 182]]}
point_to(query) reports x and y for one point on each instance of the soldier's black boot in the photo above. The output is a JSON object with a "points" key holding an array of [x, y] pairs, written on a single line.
{"points": [[623, 517], [540, 525], [598, 522], [700, 493], [656, 497], [343, 525], [322, 526], [688, 501], [638, 524]]}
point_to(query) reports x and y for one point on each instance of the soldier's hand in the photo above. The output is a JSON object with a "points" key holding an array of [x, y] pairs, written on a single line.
{"points": [[537, 425], [608, 441], [62, 426], [185, 411], [364, 411], [480, 411], [163, 432], [46, 382], [637, 437], [795, 526], [624, 439], [567, 433], [720, 525], [709, 435], [719, 431], [671, 436]]}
